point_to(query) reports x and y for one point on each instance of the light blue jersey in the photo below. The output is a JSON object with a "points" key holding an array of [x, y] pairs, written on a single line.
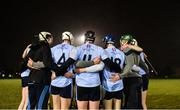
{"points": [[142, 72], [118, 57], [88, 52], [60, 53], [25, 73]]}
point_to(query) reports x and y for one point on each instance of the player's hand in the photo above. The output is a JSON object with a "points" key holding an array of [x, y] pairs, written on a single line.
{"points": [[130, 46], [68, 75], [80, 70], [115, 77], [96, 60], [145, 55], [53, 75], [30, 62], [124, 46]]}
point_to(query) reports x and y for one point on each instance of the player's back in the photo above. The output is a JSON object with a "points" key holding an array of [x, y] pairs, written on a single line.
{"points": [[88, 52], [60, 54], [117, 57]]}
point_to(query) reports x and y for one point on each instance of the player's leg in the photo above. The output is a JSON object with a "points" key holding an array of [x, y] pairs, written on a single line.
{"points": [[21, 105], [82, 97], [94, 97], [66, 96], [108, 101], [108, 104], [55, 91], [118, 96], [56, 102], [25, 93], [117, 104], [24, 101], [145, 80], [94, 105], [82, 105], [144, 94], [65, 103]]}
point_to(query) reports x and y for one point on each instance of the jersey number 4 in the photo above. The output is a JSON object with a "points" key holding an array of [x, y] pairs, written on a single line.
{"points": [[61, 59]]}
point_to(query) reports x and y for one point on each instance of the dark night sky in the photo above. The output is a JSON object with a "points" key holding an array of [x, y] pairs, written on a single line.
{"points": [[154, 24]]}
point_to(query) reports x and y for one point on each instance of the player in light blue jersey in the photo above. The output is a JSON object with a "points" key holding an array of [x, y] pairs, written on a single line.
{"points": [[113, 89], [88, 81], [61, 86]]}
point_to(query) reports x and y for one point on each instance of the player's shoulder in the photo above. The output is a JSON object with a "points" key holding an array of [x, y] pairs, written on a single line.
{"points": [[97, 46], [72, 46], [83, 46], [56, 46], [119, 51]]}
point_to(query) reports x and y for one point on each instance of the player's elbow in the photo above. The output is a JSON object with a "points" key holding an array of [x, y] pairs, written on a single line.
{"points": [[101, 66]]}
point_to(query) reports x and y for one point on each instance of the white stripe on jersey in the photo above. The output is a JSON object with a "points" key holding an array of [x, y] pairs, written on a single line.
{"points": [[118, 57], [87, 52], [60, 54]]}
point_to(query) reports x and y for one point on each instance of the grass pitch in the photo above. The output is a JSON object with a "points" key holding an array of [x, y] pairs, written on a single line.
{"points": [[162, 94]]}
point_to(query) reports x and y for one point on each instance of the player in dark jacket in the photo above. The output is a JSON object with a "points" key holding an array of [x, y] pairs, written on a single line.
{"points": [[39, 63], [132, 79]]}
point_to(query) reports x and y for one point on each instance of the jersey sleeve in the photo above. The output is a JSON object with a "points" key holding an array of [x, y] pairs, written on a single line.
{"points": [[95, 68], [128, 66], [83, 64]]}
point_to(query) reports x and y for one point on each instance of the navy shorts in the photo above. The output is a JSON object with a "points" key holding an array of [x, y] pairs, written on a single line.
{"points": [[24, 81], [145, 82], [88, 93], [115, 95], [65, 92]]}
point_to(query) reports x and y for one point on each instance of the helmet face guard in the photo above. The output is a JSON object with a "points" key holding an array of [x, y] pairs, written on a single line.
{"points": [[108, 39], [90, 36], [45, 36]]}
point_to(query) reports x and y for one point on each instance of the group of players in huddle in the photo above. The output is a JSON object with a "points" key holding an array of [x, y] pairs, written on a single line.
{"points": [[118, 76]]}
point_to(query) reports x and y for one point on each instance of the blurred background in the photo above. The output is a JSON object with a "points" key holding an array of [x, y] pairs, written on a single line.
{"points": [[155, 25]]}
